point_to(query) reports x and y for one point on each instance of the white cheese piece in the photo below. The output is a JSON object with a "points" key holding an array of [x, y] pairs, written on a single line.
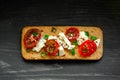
{"points": [[39, 45], [61, 51], [97, 41], [82, 38], [71, 47], [52, 37], [64, 41], [64, 38]]}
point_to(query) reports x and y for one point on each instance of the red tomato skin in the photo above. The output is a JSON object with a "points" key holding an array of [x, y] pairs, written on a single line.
{"points": [[76, 31], [56, 50], [91, 47], [28, 33]]}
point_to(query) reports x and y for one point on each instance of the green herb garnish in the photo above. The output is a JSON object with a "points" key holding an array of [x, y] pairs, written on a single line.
{"points": [[93, 38], [43, 54], [87, 33], [75, 43], [53, 29], [73, 51], [46, 36], [34, 33]]}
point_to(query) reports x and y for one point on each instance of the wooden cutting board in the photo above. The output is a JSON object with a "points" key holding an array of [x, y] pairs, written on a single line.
{"points": [[96, 31]]}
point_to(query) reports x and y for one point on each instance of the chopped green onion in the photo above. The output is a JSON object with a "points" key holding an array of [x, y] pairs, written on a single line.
{"points": [[34, 33], [73, 51], [53, 29], [93, 38], [43, 54], [75, 43], [87, 33], [46, 36]]}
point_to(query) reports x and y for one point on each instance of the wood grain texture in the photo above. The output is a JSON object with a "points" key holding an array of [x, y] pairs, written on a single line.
{"points": [[96, 31]]}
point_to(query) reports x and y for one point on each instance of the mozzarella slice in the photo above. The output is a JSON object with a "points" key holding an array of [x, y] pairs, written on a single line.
{"points": [[65, 42], [97, 41], [39, 45], [52, 37], [61, 51], [82, 38], [64, 38]]}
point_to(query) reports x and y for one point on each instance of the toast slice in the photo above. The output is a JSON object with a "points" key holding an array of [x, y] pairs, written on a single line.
{"points": [[96, 31]]}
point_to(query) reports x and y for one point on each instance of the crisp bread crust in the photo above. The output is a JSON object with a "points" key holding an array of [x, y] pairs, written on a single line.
{"points": [[96, 31]]}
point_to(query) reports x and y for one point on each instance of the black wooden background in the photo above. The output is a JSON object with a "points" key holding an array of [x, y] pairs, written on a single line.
{"points": [[14, 15]]}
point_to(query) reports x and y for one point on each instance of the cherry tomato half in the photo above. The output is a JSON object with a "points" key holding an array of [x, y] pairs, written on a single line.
{"points": [[87, 48], [51, 47], [72, 33], [31, 38]]}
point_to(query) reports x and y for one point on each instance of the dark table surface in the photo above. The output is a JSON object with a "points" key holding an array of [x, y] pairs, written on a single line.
{"points": [[15, 15]]}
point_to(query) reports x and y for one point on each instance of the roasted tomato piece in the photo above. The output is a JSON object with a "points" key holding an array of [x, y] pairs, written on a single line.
{"points": [[51, 47], [87, 48], [72, 33], [31, 38]]}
